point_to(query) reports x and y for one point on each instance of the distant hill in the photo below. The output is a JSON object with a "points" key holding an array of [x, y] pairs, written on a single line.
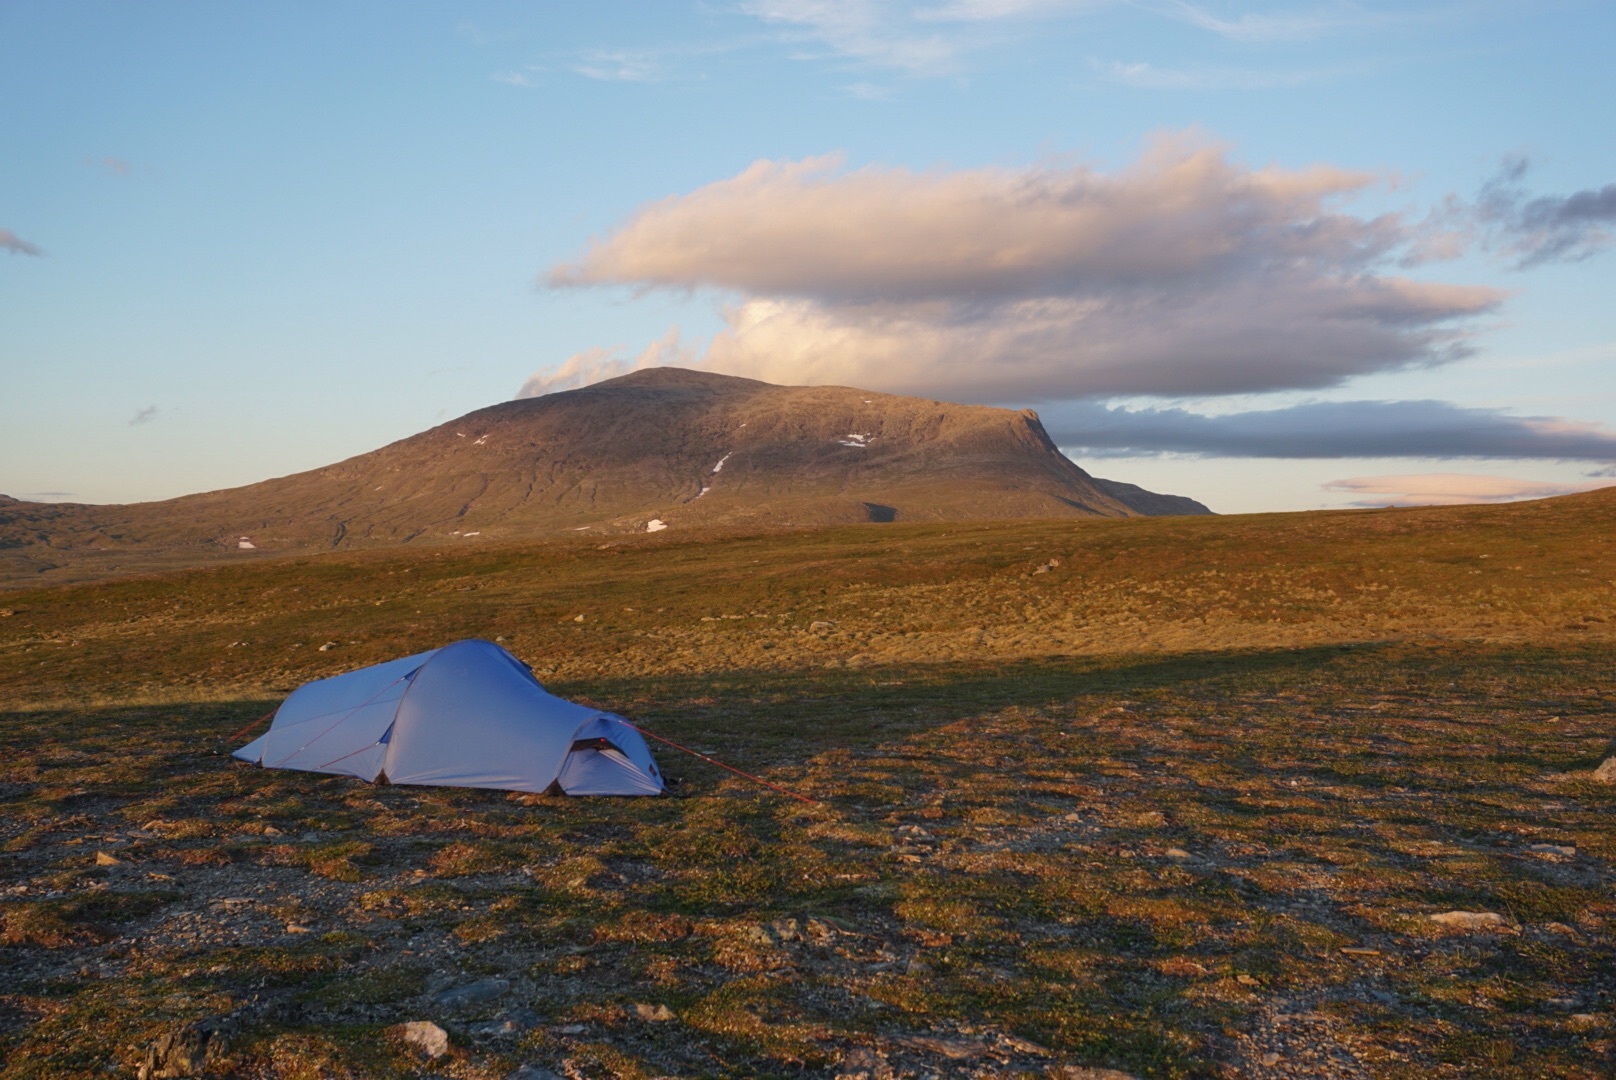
{"points": [[664, 448]]}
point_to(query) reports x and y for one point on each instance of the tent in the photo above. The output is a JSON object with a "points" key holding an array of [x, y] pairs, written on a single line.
{"points": [[467, 715]]}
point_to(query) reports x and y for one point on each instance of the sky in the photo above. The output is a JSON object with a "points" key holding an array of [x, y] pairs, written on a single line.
{"points": [[1274, 256]]}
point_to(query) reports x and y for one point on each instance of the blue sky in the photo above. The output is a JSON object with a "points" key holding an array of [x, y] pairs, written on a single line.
{"points": [[237, 241]]}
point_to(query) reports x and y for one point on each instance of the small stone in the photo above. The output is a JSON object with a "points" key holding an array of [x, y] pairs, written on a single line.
{"points": [[270, 830], [1246, 980], [821, 625], [103, 859], [654, 1014], [820, 932], [1270, 1060], [328, 646], [477, 993], [1561, 851], [1470, 920], [297, 928], [578, 618], [1177, 853], [180, 1051], [426, 1037], [1606, 773]]}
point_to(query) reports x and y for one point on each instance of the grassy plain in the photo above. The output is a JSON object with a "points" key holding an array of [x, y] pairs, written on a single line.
{"points": [[1176, 797]]}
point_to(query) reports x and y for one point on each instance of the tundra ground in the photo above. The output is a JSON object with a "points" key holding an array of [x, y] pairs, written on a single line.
{"points": [[1178, 798]]}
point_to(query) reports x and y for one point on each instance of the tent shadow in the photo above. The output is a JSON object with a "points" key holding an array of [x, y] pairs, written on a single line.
{"points": [[766, 717]]}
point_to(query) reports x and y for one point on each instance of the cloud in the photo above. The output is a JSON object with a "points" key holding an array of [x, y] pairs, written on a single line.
{"points": [[1148, 77], [619, 65], [144, 416], [49, 496], [594, 365], [513, 78], [868, 31], [1545, 228], [1356, 429], [13, 244], [1184, 273], [1449, 489], [1315, 21]]}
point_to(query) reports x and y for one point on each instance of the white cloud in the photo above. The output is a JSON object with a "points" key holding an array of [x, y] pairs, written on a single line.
{"points": [[1149, 77], [869, 31], [1184, 273], [594, 365], [1298, 23], [619, 65], [513, 78], [12, 244], [1449, 489]]}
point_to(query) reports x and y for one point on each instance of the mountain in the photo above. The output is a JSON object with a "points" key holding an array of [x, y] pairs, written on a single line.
{"points": [[661, 448]]}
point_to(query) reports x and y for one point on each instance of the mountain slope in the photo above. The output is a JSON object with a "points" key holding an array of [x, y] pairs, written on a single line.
{"points": [[666, 445]]}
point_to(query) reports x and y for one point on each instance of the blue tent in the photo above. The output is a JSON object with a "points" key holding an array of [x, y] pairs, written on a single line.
{"points": [[467, 715]]}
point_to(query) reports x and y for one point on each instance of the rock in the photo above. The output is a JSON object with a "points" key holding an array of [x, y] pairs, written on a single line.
{"points": [[328, 646], [820, 932], [297, 928], [477, 993], [1270, 1059], [531, 1072], [1470, 920], [862, 1063], [821, 625], [426, 1037], [654, 1014], [103, 859], [1560, 851], [1606, 773], [1177, 853], [953, 1049], [180, 1051]]}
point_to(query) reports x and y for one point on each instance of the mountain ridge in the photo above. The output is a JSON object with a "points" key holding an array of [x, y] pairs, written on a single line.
{"points": [[655, 449]]}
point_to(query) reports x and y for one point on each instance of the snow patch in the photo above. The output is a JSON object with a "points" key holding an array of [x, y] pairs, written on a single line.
{"points": [[460, 434], [472, 534], [480, 440], [655, 525], [246, 545], [702, 492], [720, 466], [854, 439]]}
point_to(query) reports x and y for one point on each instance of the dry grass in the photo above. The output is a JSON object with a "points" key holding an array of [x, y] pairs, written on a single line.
{"points": [[1126, 812]]}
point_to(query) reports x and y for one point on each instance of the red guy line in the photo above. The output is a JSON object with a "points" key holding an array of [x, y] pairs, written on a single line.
{"points": [[721, 765]]}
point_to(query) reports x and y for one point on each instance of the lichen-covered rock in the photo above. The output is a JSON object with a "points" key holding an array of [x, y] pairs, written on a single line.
{"points": [[426, 1037]]}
